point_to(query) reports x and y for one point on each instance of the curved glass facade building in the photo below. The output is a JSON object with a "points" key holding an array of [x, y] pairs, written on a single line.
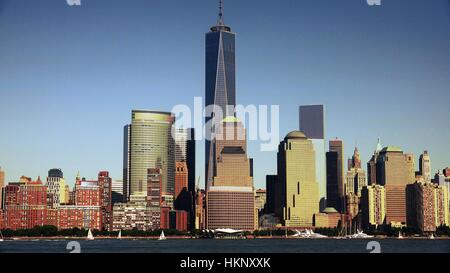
{"points": [[149, 144]]}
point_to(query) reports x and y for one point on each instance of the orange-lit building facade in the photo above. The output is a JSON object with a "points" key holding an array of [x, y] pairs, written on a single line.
{"points": [[200, 209], [427, 206], [87, 193], [105, 188], [79, 217], [181, 179], [25, 204]]}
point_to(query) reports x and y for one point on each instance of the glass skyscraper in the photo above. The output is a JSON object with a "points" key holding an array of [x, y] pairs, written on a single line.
{"points": [[220, 82], [149, 144]]}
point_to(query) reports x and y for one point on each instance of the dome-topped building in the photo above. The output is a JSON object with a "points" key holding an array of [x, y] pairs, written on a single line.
{"points": [[295, 134], [299, 199]]}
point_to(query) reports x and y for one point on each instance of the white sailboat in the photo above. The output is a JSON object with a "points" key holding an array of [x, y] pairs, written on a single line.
{"points": [[120, 235], [400, 236], [162, 236], [1, 236], [90, 236], [431, 236], [359, 235]]}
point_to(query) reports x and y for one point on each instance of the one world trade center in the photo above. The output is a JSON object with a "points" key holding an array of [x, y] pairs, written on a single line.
{"points": [[220, 83]]}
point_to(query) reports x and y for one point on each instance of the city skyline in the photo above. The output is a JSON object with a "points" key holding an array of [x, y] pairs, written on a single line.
{"points": [[43, 139]]}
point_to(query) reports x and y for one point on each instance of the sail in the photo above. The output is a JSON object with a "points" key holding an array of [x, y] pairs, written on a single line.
{"points": [[120, 235], [90, 236]]}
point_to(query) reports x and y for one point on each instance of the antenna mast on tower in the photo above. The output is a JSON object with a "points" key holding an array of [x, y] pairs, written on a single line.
{"points": [[220, 23]]}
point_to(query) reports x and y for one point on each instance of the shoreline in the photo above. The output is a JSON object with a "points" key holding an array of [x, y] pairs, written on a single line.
{"points": [[193, 238]]}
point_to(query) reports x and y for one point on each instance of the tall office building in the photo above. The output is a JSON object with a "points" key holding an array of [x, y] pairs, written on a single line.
{"points": [[230, 201], [182, 136], [297, 175], [425, 166], [199, 209], [337, 146], [355, 161], [356, 176], [335, 175], [355, 181], [154, 197], [427, 206], [2, 184], [56, 188], [185, 152], [149, 144], [372, 165], [126, 163], [333, 200], [373, 205], [182, 198], [273, 191], [274, 207], [181, 178], [105, 187], [393, 174], [444, 181], [312, 124], [220, 83]]}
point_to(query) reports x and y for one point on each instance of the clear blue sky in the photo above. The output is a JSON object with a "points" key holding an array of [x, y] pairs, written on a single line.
{"points": [[69, 76]]}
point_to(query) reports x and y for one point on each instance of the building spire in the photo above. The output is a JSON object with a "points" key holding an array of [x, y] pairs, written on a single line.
{"points": [[379, 146], [220, 22], [220, 25]]}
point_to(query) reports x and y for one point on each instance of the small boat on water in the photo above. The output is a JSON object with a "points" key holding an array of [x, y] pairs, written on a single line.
{"points": [[120, 235], [1, 237], [400, 236], [431, 236], [90, 236], [308, 233], [359, 235], [162, 236]]}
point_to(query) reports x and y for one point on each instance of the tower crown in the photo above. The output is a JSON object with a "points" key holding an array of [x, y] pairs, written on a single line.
{"points": [[220, 26]]}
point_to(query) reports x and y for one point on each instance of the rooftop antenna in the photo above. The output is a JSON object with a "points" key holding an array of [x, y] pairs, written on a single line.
{"points": [[220, 23]]}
